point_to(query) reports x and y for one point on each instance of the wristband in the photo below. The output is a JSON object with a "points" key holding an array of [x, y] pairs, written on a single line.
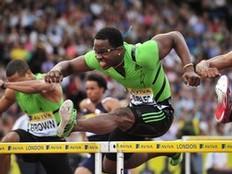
{"points": [[187, 65]]}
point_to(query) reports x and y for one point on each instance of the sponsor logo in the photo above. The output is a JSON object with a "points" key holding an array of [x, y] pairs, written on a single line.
{"points": [[36, 147]]}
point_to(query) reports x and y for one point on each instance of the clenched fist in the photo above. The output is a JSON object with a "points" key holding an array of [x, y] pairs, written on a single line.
{"points": [[191, 78], [54, 76]]}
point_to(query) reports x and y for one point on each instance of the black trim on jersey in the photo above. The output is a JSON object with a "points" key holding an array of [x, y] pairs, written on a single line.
{"points": [[133, 54], [161, 90], [56, 111], [156, 76]]}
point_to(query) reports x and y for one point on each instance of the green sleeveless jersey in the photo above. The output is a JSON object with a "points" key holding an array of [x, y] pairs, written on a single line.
{"points": [[44, 115], [144, 75]]}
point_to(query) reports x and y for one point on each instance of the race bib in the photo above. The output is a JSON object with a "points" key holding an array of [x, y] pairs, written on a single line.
{"points": [[42, 124], [140, 96]]}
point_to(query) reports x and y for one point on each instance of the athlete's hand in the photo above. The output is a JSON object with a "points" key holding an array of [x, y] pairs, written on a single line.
{"points": [[53, 76], [191, 78], [89, 106], [204, 70]]}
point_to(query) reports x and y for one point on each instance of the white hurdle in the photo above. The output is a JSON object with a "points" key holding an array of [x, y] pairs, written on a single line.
{"points": [[188, 146]]}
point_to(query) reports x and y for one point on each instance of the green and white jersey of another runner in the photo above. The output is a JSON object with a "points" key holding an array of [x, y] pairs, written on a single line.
{"points": [[43, 113], [144, 75]]}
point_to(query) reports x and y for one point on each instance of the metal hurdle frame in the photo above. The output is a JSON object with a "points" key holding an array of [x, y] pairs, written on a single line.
{"points": [[188, 146], [200, 138]]}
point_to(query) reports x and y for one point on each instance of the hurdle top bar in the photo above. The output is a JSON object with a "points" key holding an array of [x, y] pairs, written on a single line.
{"points": [[204, 137], [114, 147]]}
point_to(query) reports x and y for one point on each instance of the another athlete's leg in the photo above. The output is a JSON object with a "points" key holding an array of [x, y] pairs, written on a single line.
{"points": [[87, 166], [223, 109], [5, 159]]}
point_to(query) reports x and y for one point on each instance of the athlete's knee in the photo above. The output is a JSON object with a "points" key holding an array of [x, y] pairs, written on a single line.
{"points": [[82, 170], [11, 137], [109, 166], [124, 117]]}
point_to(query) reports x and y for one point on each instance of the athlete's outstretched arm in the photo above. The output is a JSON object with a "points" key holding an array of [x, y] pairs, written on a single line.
{"points": [[65, 68], [211, 67], [175, 40], [30, 86], [222, 61]]}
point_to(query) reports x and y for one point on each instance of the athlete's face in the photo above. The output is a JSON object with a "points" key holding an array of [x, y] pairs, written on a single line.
{"points": [[94, 92], [106, 54]]}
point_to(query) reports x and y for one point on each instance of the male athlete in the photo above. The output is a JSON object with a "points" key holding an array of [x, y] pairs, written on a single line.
{"points": [[41, 102], [211, 68], [92, 106], [138, 68]]}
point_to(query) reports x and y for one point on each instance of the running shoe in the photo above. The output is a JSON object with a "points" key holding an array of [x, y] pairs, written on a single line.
{"points": [[67, 119], [176, 159], [223, 108]]}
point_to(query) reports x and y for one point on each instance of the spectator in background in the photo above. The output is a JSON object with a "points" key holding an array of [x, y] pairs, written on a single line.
{"points": [[92, 106], [74, 90]]}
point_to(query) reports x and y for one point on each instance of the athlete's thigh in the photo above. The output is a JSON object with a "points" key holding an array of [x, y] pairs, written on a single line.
{"points": [[125, 118]]}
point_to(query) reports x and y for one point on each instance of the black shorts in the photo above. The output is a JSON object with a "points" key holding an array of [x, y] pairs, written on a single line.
{"points": [[52, 163], [150, 122]]}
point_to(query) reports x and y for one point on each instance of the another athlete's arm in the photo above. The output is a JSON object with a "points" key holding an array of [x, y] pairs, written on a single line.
{"points": [[211, 67], [7, 99], [30, 86], [222, 61]]}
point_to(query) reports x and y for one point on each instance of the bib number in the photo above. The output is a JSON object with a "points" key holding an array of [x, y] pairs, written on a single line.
{"points": [[140, 96]]}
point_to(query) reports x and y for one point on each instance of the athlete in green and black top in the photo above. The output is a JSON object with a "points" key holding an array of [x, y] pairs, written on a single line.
{"points": [[40, 102], [139, 69], [144, 79]]}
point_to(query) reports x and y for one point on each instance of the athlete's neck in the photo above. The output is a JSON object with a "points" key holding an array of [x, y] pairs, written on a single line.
{"points": [[120, 69], [119, 65]]}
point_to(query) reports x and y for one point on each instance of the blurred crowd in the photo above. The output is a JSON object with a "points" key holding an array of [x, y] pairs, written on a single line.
{"points": [[45, 32]]}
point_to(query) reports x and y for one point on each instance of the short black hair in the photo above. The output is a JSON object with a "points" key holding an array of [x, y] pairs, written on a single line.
{"points": [[101, 81], [113, 35], [16, 66]]}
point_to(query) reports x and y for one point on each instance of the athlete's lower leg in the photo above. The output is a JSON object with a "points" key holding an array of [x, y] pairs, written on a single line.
{"points": [[134, 161], [138, 159], [5, 159]]}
